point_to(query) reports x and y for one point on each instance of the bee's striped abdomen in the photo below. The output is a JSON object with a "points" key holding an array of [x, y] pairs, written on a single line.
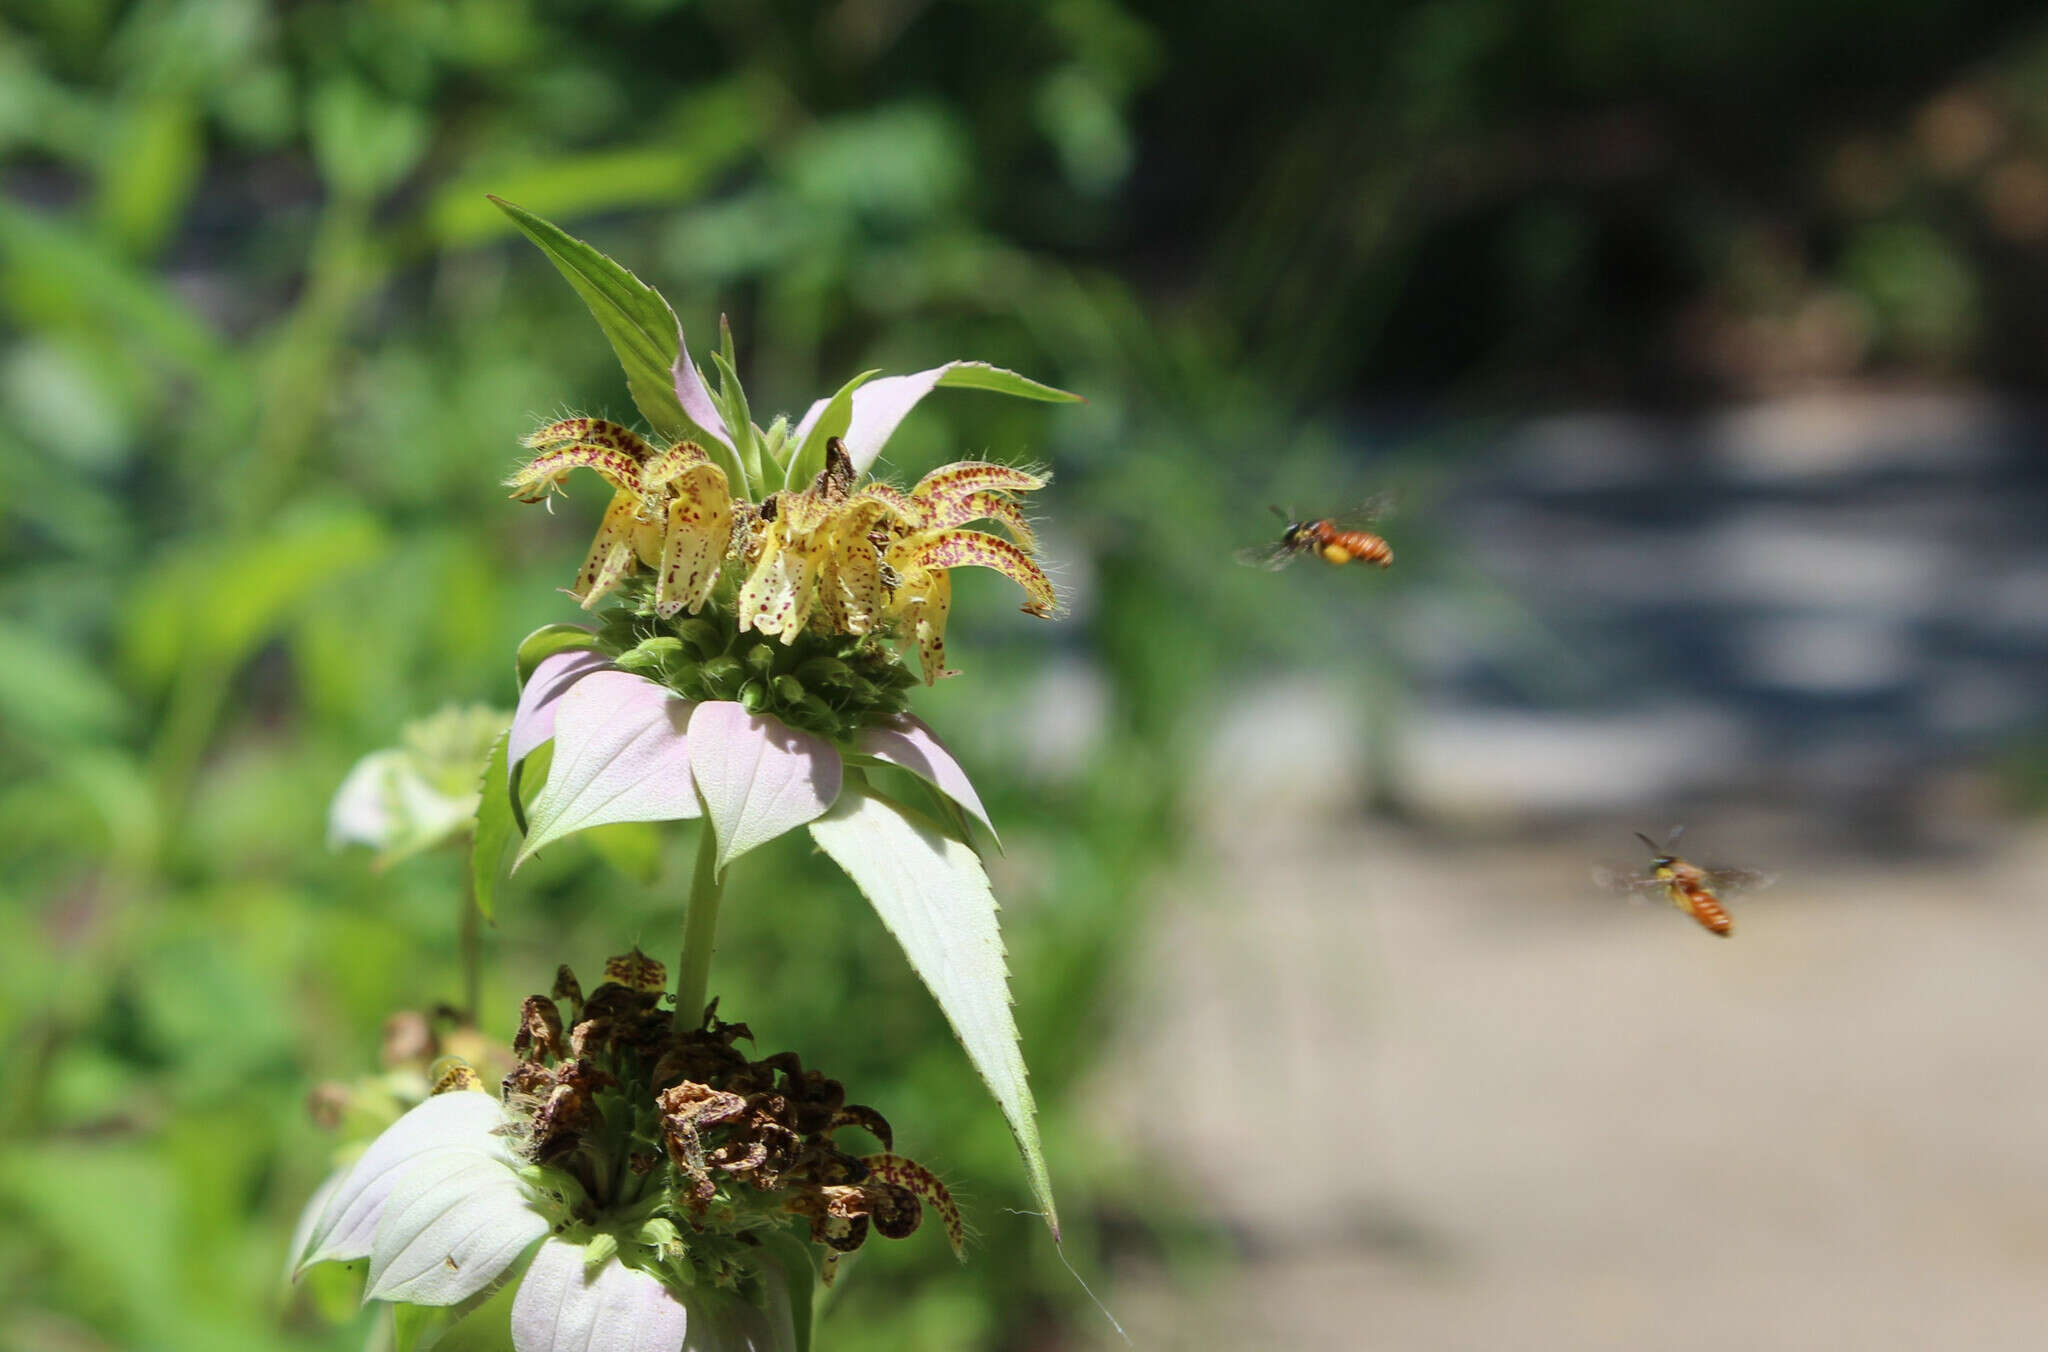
{"points": [[1708, 910]]}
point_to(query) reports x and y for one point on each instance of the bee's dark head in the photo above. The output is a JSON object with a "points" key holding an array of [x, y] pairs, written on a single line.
{"points": [[1295, 534]]}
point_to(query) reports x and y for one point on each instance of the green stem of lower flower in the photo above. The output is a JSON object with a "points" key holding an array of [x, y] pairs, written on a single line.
{"points": [[472, 940], [700, 930]]}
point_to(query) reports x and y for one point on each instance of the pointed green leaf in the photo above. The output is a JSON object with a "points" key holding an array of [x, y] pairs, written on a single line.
{"points": [[493, 829], [832, 420], [641, 326], [931, 893], [979, 375], [740, 419], [775, 442]]}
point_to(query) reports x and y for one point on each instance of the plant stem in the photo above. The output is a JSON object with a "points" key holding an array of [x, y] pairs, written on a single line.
{"points": [[700, 930], [472, 942]]}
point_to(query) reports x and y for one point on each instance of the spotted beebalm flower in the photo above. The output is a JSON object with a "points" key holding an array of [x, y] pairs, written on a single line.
{"points": [[420, 793], [754, 592], [834, 557], [635, 1185]]}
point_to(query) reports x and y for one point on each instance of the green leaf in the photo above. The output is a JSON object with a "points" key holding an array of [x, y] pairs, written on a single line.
{"points": [[639, 323], [641, 326], [733, 404], [808, 460], [215, 601], [52, 694], [979, 375], [932, 894], [775, 443], [544, 642], [493, 829]]}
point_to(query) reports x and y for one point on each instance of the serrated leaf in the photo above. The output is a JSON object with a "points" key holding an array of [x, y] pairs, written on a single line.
{"points": [[931, 893], [493, 829], [827, 418]]}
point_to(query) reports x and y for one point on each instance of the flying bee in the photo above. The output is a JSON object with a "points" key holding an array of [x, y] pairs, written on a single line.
{"points": [[1694, 889], [1339, 539]]}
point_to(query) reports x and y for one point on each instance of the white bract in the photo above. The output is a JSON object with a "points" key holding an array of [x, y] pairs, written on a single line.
{"points": [[451, 1219], [419, 794]]}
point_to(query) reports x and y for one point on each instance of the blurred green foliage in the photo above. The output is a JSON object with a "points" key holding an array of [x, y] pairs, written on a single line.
{"points": [[267, 350]]}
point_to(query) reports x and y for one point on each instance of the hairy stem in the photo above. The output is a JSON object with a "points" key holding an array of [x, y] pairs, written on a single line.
{"points": [[700, 930]]}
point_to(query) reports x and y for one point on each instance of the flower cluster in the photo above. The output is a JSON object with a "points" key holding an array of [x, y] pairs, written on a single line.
{"points": [[836, 557], [421, 793], [632, 1174]]}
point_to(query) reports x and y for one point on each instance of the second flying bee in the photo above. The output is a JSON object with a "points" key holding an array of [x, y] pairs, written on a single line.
{"points": [[1338, 540], [1695, 890]]}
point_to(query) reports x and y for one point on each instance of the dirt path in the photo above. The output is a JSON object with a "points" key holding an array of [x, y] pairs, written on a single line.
{"points": [[1450, 1099]]}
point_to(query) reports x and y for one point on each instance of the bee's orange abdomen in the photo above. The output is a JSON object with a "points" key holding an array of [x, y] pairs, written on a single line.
{"points": [[1708, 910], [1354, 544]]}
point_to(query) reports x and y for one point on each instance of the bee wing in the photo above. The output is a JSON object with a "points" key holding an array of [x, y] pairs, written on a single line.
{"points": [[1728, 880], [1271, 557], [1627, 882], [1376, 508]]}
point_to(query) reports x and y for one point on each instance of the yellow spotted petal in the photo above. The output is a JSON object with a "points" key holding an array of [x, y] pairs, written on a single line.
{"points": [[699, 532], [799, 515], [961, 548], [611, 554], [925, 613], [985, 506], [950, 482], [907, 509], [672, 464], [782, 588], [544, 473], [595, 431], [850, 595]]}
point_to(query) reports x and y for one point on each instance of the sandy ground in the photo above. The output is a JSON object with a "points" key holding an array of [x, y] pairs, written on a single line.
{"points": [[1448, 1097]]}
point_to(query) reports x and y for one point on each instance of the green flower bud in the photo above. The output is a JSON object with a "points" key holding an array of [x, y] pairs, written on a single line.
{"points": [[722, 674], [788, 689], [825, 670], [754, 696], [651, 654], [702, 636]]}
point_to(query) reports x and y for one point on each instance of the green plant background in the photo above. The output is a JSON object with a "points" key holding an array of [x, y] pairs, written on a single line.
{"points": [[267, 351]]}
